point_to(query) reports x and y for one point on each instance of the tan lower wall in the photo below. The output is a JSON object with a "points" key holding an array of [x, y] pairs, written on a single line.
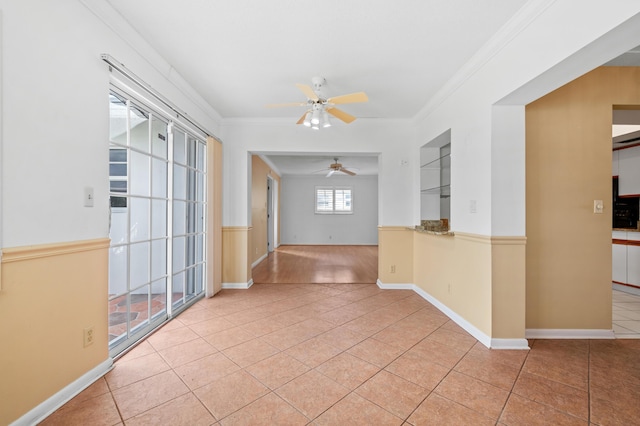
{"points": [[49, 294], [235, 249], [508, 294], [395, 248], [456, 270]]}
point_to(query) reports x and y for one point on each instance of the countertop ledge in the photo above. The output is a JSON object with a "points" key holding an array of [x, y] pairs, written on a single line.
{"points": [[424, 231], [625, 230]]}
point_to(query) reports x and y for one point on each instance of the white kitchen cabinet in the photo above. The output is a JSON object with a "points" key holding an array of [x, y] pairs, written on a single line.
{"points": [[619, 264], [633, 258], [629, 171], [615, 171], [633, 265]]}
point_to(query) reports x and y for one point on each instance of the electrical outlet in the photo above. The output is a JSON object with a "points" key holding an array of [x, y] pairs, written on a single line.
{"points": [[88, 336], [392, 269]]}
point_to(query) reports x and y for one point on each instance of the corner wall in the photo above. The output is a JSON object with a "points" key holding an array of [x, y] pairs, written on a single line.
{"points": [[568, 162]]}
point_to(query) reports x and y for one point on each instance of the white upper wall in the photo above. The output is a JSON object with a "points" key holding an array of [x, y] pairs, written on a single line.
{"points": [[549, 43], [393, 140], [55, 115], [302, 225]]}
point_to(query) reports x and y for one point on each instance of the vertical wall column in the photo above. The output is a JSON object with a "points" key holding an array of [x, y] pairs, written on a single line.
{"points": [[214, 216]]}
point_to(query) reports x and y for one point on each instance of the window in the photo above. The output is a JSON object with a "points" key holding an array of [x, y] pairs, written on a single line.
{"points": [[334, 200]]}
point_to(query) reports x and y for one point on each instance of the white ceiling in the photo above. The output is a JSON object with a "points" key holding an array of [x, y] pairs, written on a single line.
{"points": [[240, 55], [243, 54]]}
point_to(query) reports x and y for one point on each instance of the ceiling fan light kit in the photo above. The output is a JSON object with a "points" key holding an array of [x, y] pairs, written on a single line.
{"points": [[319, 107]]}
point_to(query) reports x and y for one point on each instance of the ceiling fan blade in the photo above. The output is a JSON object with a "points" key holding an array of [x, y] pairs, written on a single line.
{"points": [[349, 99], [349, 172], [332, 171], [347, 118], [308, 91], [290, 104], [302, 118]]}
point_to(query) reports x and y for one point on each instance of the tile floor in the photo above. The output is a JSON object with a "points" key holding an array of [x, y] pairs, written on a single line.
{"points": [[626, 315], [352, 354]]}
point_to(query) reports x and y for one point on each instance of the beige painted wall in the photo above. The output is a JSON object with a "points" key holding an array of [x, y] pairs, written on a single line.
{"points": [[568, 161], [456, 271], [508, 287], [395, 248], [480, 278], [49, 294], [236, 267], [259, 172]]}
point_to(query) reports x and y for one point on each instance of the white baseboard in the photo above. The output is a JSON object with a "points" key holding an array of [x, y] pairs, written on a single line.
{"points": [[238, 286], [520, 344], [46, 408], [395, 286], [626, 289], [466, 325], [567, 333], [263, 257]]}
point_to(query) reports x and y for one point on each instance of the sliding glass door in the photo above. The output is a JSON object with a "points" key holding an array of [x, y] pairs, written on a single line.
{"points": [[157, 189]]}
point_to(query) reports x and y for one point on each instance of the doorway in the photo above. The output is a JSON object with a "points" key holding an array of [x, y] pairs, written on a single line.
{"points": [[272, 214]]}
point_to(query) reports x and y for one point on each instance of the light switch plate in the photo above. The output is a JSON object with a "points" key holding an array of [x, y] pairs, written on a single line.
{"points": [[88, 196], [598, 206]]}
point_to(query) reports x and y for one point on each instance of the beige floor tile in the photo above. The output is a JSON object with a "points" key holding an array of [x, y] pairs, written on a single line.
{"points": [[523, 411], [462, 341], [557, 370], [165, 338], [436, 410], [184, 353], [341, 337], [208, 327], [489, 370], [312, 393], [230, 393], [401, 335], [141, 396], [557, 395], [375, 352], [418, 370], [126, 372], [184, 410], [250, 352], [206, 370], [475, 394], [395, 394], [445, 355], [228, 338], [97, 388], [313, 352], [99, 410], [268, 410], [608, 412], [348, 370], [277, 370], [141, 349], [355, 410], [193, 316]]}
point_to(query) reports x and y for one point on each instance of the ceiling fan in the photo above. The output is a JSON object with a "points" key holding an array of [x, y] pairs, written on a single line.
{"points": [[319, 106], [337, 167]]}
